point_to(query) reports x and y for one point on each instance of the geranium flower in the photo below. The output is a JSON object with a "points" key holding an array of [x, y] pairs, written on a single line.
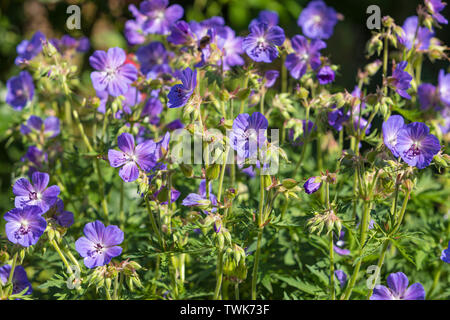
{"points": [[337, 117], [180, 93], [49, 127], [306, 54], [113, 74], [400, 80], [231, 47], [160, 16], [131, 158], [416, 146], [261, 44], [28, 49], [312, 185], [152, 108], [435, 7], [69, 43], [35, 193], [390, 129], [181, 33], [266, 16], [63, 218], [270, 77], [428, 96], [317, 20], [199, 199], [421, 41], [25, 226], [341, 276], [325, 75], [154, 59], [398, 289], [19, 90], [19, 281], [248, 133], [100, 244]]}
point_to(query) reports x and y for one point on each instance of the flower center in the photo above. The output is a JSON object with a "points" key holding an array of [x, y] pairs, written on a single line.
{"points": [[34, 196], [414, 150], [317, 18], [23, 230], [99, 248]]}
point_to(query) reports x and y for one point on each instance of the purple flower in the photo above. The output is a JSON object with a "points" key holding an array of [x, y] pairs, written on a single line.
{"points": [[153, 59], [325, 75], [416, 146], [181, 33], [19, 281], [261, 44], [317, 20], [49, 128], [401, 80], [422, 41], [444, 87], [445, 256], [306, 54], [359, 122], [199, 199], [340, 244], [390, 129], [428, 97], [248, 133], [174, 125], [159, 16], [37, 158], [153, 108], [134, 29], [435, 7], [266, 16], [337, 117], [113, 74], [68, 43], [398, 289], [100, 244], [20, 90], [28, 49], [25, 226], [35, 193], [341, 276], [131, 158], [270, 77], [312, 185], [63, 218], [231, 47], [180, 93]]}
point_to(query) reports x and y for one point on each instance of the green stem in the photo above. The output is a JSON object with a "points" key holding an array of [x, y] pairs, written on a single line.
{"points": [[236, 291], [11, 273], [331, 249], [122, 211], [364, 227], [154, 225], [101, 188], [219, 275], [255, 267]]}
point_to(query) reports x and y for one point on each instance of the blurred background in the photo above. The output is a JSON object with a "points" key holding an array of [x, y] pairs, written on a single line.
{"points": [[103, 20]]}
